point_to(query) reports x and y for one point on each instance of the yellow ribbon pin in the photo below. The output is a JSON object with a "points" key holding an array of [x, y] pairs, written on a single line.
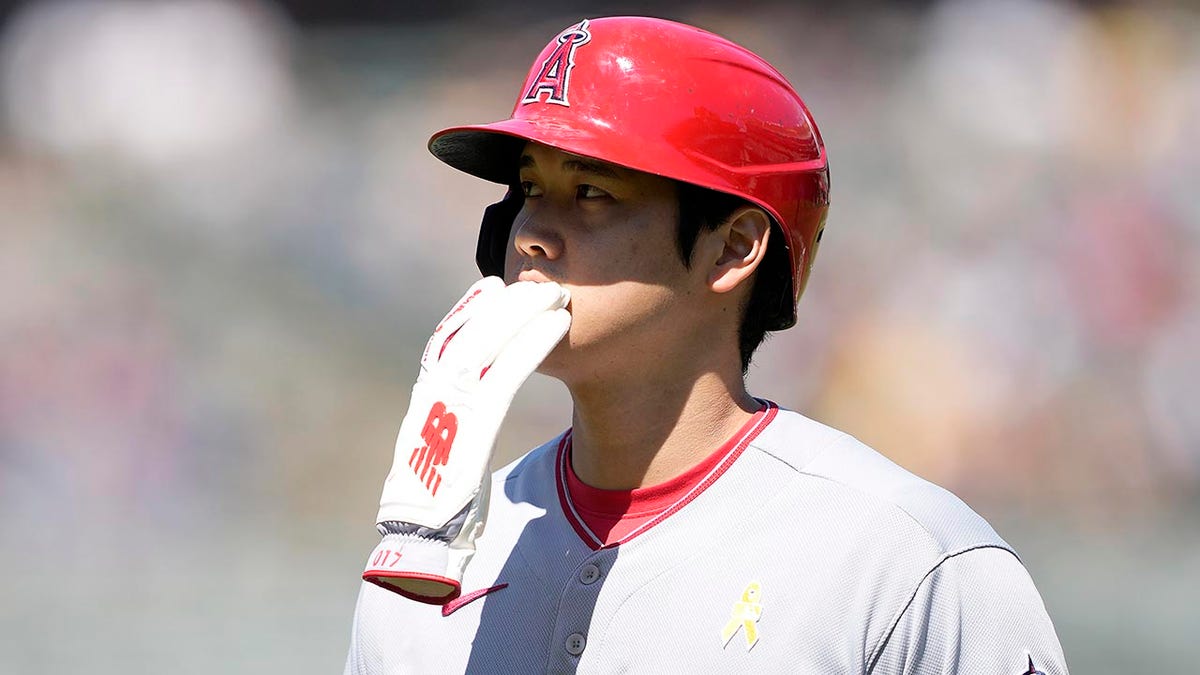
{"points": [[745, 615]]}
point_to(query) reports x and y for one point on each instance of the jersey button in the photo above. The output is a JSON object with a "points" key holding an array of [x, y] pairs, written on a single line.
{"points": [[589, 574], [575, 644]]}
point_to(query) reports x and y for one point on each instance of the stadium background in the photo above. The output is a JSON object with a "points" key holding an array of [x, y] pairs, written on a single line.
{"points": [[222, 244]]}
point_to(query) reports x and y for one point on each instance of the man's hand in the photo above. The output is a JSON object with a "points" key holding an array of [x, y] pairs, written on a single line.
{"points": [[434, 501]]}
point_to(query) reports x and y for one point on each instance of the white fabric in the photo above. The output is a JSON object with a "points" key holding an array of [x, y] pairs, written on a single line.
{"points": [[478, 357], [838, 560], [505, 330]]}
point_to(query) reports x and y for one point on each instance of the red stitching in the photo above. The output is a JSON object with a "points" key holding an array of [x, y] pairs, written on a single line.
{"points": [[456, 604]]}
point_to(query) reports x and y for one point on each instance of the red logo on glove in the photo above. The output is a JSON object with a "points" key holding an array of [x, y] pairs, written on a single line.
{"points": [[438, 435]]}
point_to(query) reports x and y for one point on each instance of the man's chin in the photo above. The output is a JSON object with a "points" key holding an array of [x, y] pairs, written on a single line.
{"points": [[554, 363]]}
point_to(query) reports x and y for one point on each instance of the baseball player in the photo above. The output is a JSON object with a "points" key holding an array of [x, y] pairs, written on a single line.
{"points": [[667, 190]]}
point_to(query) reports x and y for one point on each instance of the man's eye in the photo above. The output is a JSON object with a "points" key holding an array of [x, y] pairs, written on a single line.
{"points": [[589, 192], [529, 189]]}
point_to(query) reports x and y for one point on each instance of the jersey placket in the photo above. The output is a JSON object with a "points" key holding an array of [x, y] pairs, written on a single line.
{"points": [[577, 603]]}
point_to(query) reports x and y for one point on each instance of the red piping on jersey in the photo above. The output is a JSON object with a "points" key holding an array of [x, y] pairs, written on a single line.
{"points": [[457, 603], [749, 433]]}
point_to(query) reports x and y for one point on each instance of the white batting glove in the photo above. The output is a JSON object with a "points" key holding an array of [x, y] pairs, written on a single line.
{"points": [[435, 499]]}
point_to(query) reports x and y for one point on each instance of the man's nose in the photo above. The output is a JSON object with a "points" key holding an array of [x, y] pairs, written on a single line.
{"points": [[535, 236]]}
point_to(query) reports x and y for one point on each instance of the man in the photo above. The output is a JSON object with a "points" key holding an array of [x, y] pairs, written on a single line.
{"points": [[667, 192]]}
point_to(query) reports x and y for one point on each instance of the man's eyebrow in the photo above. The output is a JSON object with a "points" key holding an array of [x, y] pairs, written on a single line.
{"points": [[578, 164]]}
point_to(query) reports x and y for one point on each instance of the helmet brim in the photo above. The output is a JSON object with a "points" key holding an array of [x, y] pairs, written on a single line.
{"points": [[491, 151]]}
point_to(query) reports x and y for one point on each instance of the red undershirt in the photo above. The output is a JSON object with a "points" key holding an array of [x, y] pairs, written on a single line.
{"points": [[613, 514]]}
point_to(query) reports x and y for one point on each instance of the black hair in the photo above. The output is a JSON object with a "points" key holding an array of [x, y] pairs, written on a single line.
{"points": [[769, 305]]}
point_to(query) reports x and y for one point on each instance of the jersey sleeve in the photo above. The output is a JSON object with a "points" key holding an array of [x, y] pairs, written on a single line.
{"points": [[363, 657], [975, 612]]}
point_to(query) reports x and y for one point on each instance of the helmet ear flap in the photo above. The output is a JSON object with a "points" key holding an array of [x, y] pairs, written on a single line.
{"points": [[497, 223], [775, 277]]}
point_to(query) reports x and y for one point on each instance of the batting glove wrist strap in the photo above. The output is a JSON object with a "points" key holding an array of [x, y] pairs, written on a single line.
{"points": [[416, 567], [434, 501]]}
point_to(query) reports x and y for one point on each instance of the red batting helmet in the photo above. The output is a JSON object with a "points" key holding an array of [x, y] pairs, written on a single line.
{"points": [[667, 99]]}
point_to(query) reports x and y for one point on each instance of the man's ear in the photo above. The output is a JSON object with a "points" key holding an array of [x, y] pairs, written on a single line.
{"points": [[740, 245]]}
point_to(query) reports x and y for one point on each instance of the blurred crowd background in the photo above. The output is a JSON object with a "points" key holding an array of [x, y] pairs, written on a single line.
{"points": [[223, 243]]}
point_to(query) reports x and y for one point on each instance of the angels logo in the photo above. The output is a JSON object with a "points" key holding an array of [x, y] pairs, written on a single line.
{"points": [[554, 76]]}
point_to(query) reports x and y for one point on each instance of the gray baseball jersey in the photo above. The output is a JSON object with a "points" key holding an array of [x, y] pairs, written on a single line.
{"points": [[803, 551]]}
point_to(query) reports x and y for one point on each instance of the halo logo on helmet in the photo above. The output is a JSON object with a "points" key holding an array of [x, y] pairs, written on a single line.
{"points": [[555, 74]]}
